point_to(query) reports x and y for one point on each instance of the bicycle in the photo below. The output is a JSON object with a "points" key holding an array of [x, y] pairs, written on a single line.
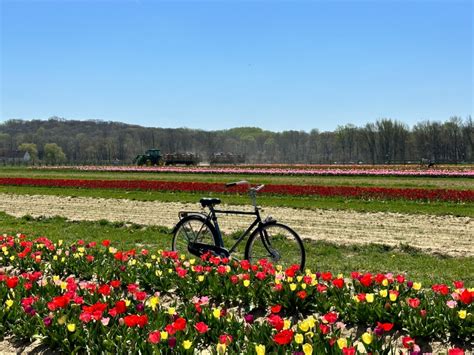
{"points": [[198, 233]]}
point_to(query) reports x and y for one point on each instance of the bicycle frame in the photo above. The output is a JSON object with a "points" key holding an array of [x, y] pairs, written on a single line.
{"points": [[212, 216]]}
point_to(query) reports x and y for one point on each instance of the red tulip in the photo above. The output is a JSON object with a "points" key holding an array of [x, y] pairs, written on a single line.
{"points": [[201, 327], [284, 337], [12, 282], [154, 337], [413, 302]]}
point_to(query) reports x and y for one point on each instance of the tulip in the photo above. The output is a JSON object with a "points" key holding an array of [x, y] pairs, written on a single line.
{"points": [[367, 338], [260, 349], [187, 344]]}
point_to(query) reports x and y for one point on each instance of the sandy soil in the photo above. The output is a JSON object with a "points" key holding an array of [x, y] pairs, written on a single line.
{"points": [[438, 234]]}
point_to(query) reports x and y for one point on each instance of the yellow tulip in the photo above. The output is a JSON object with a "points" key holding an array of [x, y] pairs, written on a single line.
{"points": [[201, 278], [369, 297], [307, 349], [383, 293], [221, 348], [304, 326], [260, 349], [246, 283], [286, 324], [171, 311], [367, 338], [342, 343], [462, 314], [292, 286], [385, 282], [299, 338], [164, 335], [9, 303], [153, 302], [416, 285], [216, 312], [187, 344], [71, 327]]}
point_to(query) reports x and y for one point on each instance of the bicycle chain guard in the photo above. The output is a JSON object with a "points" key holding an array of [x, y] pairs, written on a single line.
{"points": [[199, 249]]}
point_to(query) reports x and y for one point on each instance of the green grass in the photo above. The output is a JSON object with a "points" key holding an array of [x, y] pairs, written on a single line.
{"points": [[321, 256], [388, 181], [307, 202]]}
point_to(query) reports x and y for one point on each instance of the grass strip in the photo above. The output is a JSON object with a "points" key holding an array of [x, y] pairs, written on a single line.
{"points": [[321, 256]]}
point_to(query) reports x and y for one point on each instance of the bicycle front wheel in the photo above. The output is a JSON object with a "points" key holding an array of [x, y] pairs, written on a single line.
{"points": [[192, 229], [277, 243]]}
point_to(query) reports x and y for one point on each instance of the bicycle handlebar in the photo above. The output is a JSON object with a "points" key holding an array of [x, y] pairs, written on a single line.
{"points": [[243, 182]]}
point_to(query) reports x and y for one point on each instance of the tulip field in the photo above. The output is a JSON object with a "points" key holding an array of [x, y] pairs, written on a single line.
{"points": [[91, 296], [85, 265]]}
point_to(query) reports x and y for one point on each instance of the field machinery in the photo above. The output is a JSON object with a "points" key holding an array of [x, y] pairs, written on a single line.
{"points": [[154, 157]]}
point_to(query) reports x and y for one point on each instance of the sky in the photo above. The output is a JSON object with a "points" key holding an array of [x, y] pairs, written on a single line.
{"points": [[278, 65]]}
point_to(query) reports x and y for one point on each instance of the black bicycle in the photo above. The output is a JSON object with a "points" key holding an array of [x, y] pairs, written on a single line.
{"points": [[198, 233]]}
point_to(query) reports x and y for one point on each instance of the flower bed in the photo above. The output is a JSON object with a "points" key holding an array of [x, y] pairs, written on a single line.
{"points": [[294, 190], [315, 170], [93, 297]]}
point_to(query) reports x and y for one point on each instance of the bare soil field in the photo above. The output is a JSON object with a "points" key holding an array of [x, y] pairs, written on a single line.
{"points": [[447, 235]]}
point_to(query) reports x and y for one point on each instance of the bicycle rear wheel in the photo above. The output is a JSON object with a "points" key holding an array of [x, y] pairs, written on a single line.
{"points": [[192, 229], [277, 243]]}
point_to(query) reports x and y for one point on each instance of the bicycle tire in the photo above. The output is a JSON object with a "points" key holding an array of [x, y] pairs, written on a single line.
{"points": [[198, 229], [277, 243]]}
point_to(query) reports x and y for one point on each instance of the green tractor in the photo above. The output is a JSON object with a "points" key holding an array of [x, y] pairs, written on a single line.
{"points": [[151, 157]]}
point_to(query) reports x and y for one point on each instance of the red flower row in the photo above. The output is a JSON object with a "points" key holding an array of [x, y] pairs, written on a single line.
{"points": [[294, 190]]}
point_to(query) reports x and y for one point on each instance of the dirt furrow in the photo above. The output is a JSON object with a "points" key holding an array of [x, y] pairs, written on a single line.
{"points": [[443, 234]]}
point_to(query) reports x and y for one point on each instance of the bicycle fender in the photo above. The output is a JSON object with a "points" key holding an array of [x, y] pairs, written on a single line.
{"points": [[183, 214], [181, 219], [189, 214], [269, 220]]}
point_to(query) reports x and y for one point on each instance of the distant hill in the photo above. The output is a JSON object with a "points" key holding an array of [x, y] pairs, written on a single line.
{"points": [[385, 141]]}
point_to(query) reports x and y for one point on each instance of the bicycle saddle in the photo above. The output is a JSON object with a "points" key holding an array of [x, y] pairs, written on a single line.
{"points": [[209, 201]]}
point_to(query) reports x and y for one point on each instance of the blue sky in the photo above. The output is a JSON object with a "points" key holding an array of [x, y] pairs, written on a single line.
{"points": [[278, 65]]}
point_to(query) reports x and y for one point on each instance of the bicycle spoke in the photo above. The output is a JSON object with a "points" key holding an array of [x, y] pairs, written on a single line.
{"points": [[191, 231], [277, 244]]}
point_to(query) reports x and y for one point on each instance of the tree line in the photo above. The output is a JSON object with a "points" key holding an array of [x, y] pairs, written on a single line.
{"points": [[58, 140]]}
